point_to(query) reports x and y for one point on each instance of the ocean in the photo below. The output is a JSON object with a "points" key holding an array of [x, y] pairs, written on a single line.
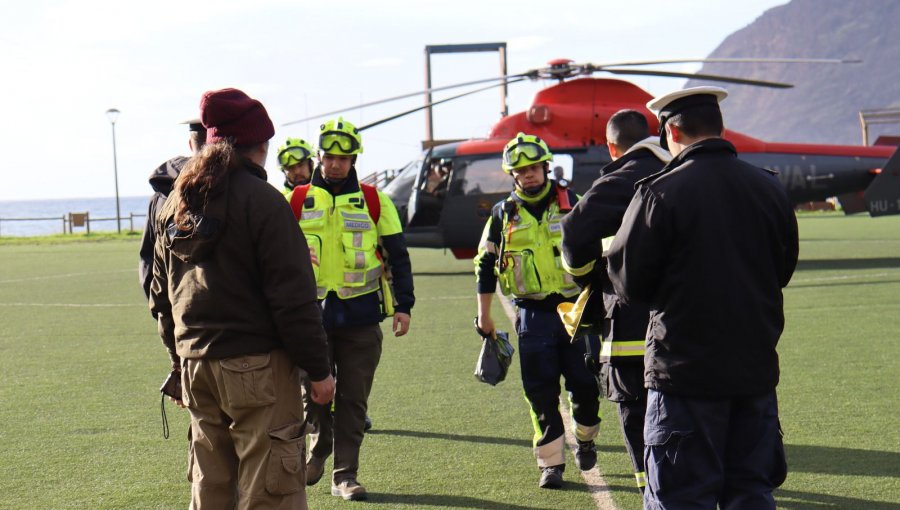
{"points": [[101, 211]]}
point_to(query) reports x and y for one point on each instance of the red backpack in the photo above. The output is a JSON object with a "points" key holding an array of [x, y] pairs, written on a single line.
{"points": [[370, 195]]}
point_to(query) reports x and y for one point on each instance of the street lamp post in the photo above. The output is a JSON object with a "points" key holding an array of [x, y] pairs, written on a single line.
{"points": [[113, 114]]}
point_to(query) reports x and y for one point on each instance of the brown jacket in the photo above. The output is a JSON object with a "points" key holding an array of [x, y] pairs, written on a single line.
{"points": [[241, 281]]}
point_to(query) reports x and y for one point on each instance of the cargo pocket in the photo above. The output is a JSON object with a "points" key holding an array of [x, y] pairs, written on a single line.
{"points": [[286, 467], [249, 381], [666, 450]]}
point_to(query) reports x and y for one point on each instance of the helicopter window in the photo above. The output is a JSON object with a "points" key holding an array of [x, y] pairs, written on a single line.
{"points": [[485, 176], [561, 167]]}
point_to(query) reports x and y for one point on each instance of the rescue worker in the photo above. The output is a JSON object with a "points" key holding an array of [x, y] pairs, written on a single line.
{"points": [[591, 225], [161, 180], [355, 238], [708, 244], [520, 248], [235, 298], [295, 159]]}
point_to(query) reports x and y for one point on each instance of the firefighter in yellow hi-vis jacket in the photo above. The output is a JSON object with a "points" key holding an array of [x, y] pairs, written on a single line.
{"points": [[355, 237], [520, 249]]}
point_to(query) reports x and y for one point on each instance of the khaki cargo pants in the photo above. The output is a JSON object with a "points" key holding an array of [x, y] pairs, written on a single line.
{"points": [[247, 448]]}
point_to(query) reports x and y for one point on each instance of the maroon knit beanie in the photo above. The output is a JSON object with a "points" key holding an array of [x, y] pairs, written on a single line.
{"points": [[229, 114]]}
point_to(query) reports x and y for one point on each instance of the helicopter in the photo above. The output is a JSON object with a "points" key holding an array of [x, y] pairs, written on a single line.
{"points": [[444, 197]]}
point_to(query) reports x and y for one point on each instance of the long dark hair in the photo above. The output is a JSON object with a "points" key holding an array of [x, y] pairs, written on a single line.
{"points": [[201, 175]]}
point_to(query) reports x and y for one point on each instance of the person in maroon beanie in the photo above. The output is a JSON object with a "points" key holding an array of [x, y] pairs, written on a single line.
{"points": [[235, 297]]}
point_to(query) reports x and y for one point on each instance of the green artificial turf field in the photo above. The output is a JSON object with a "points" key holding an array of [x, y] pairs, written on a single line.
{"points": [[81, 366]]}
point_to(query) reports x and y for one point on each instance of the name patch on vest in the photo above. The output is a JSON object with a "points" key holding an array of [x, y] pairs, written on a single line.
{"points": [[356, 225]]}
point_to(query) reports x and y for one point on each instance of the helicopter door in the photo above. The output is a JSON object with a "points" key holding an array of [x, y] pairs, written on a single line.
{"points": [[427, 199]]}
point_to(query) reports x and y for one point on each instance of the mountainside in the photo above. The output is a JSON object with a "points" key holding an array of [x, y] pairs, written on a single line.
{"points": [[824, 104]]}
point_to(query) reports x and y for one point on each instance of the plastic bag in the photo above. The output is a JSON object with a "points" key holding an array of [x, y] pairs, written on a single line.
{"points": [[495, 357]]}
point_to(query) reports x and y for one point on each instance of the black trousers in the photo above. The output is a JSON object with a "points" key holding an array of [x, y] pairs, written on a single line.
{"points": [[625, 387], [701, 453], [545, 354]]}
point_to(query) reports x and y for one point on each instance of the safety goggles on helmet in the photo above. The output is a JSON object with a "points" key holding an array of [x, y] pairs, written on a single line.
{"points": [[338, 142], [293, 155], [524, 150]]}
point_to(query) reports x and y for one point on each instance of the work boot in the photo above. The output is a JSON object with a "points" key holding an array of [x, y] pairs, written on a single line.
{"points": [[586, 455], [368, 424], [350, 490], [552, 477], [315, 468]]}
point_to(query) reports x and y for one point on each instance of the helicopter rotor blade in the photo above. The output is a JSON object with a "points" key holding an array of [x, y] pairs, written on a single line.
{"points": [[735, 61], [464, 94], [698, 76], [410, 94]]}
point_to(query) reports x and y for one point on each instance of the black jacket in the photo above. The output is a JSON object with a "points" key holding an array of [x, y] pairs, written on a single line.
{"points": [[597, 216], [366, 309], [161, 180], [708, 244]]}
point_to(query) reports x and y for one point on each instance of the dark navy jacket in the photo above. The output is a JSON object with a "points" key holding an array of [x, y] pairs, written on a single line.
{"points": [[597, 216], [708, 244]]}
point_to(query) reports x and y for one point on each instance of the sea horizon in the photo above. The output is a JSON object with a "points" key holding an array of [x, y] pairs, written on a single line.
{"points": [[14, 214]]}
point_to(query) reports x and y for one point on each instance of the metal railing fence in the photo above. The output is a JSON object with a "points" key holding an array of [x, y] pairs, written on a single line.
{"points": [[71, 221]]}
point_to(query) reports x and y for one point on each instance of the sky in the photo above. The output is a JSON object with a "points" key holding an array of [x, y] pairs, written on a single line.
{"points": [[65, 63]]}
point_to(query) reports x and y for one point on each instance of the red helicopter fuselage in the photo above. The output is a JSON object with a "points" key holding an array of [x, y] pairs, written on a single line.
{"points": [[571, 117]]}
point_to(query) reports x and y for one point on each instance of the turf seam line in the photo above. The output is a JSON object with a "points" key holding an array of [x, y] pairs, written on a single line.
{"points": [[597, 486], [65, 275], [77, 305]]}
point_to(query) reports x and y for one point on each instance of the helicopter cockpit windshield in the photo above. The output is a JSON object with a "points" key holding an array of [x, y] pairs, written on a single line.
{"points": [[400, 188]]}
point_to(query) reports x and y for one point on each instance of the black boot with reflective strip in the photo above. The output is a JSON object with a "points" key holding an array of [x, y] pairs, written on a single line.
{"points": [[552, 477], [586, 455]]}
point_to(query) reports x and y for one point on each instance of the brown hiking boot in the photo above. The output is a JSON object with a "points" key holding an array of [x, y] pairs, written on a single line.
{"points": [[350, 490], [315, 468]]}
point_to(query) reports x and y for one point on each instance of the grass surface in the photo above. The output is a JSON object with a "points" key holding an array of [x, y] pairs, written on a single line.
{"points": [[81, 365]]}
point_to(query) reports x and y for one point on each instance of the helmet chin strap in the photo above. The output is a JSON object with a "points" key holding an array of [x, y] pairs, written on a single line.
{"points": [[334, 182], [533, 193], [531, 190], [339, 182]]}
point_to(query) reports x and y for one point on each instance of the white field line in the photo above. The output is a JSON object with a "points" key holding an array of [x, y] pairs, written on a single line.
{"points": [[597, 486], [64, 275]]}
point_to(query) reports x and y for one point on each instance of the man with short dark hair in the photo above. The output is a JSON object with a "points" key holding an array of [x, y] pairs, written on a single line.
{"points": [[708, 244], [161, 180], [355, 239], [593, 223]]}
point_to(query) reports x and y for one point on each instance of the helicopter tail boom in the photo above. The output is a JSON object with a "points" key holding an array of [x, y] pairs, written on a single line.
{"points": [[883, 194]]}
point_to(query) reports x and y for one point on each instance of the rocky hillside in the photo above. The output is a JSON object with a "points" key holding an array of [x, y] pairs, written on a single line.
{"points": [[824, 104]]}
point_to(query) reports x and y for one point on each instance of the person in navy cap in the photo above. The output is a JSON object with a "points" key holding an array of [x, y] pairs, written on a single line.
{"points": [[708, 243]]}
